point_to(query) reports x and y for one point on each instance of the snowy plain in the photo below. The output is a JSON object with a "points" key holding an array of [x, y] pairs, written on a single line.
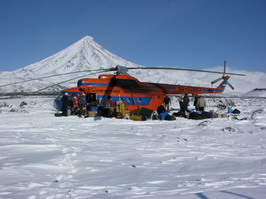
{"points": [[48, 157]]}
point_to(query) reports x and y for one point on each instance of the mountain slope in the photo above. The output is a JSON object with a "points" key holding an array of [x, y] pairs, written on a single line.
{"points": [[258, 92]]}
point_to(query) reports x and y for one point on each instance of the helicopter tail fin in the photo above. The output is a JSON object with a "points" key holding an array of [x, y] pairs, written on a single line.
{"points": [[225, 80], [223, 84]]}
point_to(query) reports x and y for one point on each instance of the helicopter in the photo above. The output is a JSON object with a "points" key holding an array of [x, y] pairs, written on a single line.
{"points": [[134, 93]]}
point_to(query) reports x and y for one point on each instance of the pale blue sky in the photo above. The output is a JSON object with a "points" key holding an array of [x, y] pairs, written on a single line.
{"points": [[184, 33]]}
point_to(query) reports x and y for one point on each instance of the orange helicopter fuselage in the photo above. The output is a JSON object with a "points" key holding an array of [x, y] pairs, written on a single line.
{"points": [[136, 94]]}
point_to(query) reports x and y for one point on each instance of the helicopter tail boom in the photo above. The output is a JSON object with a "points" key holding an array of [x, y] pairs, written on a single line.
{"points": [[182, 89]]}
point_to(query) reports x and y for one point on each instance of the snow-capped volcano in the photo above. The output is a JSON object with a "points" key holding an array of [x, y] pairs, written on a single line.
{"points": [[86, 54]]}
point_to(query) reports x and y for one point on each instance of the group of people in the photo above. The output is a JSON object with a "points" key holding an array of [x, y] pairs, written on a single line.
{"points": [[77, 104], [199, 103], [82, 103]]}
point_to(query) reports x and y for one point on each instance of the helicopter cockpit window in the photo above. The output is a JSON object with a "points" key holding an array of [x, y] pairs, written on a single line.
{"points": [[126, 83]]}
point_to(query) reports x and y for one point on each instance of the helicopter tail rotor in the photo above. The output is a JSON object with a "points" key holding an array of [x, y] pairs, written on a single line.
{"points": [[230, 85], [223, 77], [216, 80]]}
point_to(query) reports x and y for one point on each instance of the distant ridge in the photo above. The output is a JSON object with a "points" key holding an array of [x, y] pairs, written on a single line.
{"points": [[257, 92]]}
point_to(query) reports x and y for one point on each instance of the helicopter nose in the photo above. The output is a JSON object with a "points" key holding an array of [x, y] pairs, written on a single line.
{"points": [[58, 104]]}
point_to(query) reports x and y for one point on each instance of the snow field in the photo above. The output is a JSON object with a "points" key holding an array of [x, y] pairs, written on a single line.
{"points": [[42, 156]]}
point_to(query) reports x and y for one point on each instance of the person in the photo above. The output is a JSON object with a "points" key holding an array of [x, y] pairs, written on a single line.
{"points": [[71, 102], [201, 103], [81, 105], [120, 107], [110, 107], [167, 102], [65, 104], [182, 107], [161, 112], [75, 99], [195, 102], [161, 109], [75, 104], [91, 99], [186, 102]]}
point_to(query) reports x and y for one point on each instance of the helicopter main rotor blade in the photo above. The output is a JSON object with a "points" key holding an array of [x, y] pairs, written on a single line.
{"points": [[183, 69], [56, 84], [49, 76], [224, 67]]}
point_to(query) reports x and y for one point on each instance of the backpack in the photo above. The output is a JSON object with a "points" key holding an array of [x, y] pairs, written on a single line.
{"points": [[236, 111], [207, 114], [196, 116], [169, 117], [163, 115]]}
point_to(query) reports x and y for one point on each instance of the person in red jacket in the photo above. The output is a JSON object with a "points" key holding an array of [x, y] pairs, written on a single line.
{"points": [[110, 107]]}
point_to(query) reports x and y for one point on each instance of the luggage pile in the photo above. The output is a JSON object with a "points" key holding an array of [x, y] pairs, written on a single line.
{"points": [[141, 114], [144, 114]]}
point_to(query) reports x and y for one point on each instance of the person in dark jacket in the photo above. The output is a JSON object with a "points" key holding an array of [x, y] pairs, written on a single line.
{"points": [[81, 105], [196, 102], [167, 102], [65, 104], [91, 99], [186, 102], [160, 109], [182, 107]]}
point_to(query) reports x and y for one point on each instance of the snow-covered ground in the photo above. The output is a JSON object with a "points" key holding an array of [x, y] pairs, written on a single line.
{"points": [[47, 157]]}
